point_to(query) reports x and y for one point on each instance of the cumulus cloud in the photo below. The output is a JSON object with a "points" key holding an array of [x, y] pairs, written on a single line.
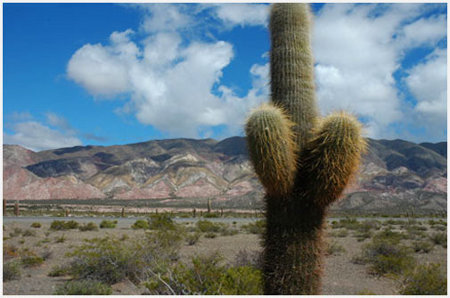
{"points": [[242, 14], [173, 84], [427, 81], [35, 136], [358, 48]]}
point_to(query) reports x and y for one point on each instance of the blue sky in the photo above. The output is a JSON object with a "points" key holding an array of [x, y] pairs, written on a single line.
{"points": [[103, 74]]}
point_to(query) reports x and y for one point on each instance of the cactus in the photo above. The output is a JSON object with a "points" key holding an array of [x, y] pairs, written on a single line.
{"points": [[16, 209], [122, 213], [208, 205], [303, 162]]}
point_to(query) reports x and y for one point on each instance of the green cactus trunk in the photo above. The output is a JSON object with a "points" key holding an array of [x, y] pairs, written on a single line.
{"points": [[303, 162]]}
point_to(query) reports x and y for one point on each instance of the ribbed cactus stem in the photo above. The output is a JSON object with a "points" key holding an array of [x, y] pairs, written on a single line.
{"points": [[304, 163], [292, 66], [271, 148]]}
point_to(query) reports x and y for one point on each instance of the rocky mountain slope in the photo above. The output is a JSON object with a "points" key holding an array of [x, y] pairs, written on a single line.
{"points": [[394, 175]]}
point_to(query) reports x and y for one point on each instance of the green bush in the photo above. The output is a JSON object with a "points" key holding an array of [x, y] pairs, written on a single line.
{"points": [[206, 226], [36, 225], [207, 276], [342, 233], [11, 271], [58, 270], [59, 225], [192, 238], [140, 224], [28, 233], [427, 279], [257, 227], [210, 235], [386, 255], [30, 259], [334, 248], [439, 239], [161, 221], [422, 246], [110, 260], [83, 287], [108, 224], [90, 226]]}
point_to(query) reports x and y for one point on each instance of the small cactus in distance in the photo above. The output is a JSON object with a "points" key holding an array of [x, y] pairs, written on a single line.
{"points": [[303, 162]]}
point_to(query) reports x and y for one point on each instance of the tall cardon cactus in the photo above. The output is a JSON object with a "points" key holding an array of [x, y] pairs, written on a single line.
{"points": [[304, 162]]}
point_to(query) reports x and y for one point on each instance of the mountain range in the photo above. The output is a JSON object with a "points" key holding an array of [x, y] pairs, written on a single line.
{"points": [[395, 175]]}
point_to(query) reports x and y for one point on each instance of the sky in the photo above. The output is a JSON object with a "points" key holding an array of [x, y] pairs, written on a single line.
{"points": [[108, 74]]}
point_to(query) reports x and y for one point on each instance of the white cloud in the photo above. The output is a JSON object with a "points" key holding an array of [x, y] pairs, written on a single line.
{"points": [[37, 137], [242, 14], [428, 83], [170, 81], [358, 48]]}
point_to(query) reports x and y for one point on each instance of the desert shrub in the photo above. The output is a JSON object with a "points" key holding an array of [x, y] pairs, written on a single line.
{"points": [[244, 280], [28, 233], [422, 246], [36, 225], [60, 239], [140, 224], [366, 292], [83, 287], [386, 255], [249, 259], [15, 232], [30, 259], [10, 251], [439, 227], [342, 233], [90, 226], [11, 271], [207, 276], [58, 270], [257, 227], [439, 239], [161, 221], [110, 260], [229, 232], [428, 279], [348, 223], [108, 224], [334, 248], [210, 235], [207, 226], [59, 225], [389, 235], [192, 238], [393, 222], [362, 235], [210, 215], [415, 232]]}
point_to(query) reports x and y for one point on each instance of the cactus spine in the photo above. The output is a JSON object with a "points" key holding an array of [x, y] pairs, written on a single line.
{"points": [[303, 162]]}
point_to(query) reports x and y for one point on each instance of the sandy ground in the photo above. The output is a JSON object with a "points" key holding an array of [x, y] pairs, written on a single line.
{"points": [[341, 276]]}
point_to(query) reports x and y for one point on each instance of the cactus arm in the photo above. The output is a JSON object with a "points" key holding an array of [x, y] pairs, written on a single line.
{"points": [[330, 159], [271, 148], [292, 66]]}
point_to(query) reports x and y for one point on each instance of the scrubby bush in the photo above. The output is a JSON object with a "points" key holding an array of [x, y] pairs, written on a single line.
{"points": [[334, 248], [140, 224], [207, 276], [30, 259], [83, 287], [439, 239], [58, 270], [428, 279], [108, 224], [59, 225], [161, 221], [210, 235], [386, 255], [342, 233], [192, 238], [207, 226], [422, 246], [90, 226], [15, 232], [248, 258], [28, 233], [36, 225], [11, 271], [257, 227]]}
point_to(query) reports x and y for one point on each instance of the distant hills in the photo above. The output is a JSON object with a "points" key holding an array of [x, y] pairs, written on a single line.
{"points": [[395, 175]]}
